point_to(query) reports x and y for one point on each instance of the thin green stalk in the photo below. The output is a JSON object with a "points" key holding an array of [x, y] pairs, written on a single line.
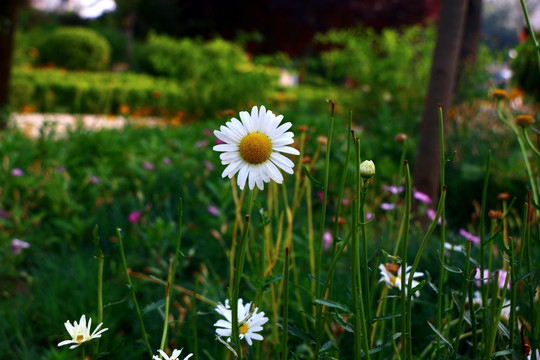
{"points": [[100, 258], [132, 292], [195, 343], [529, 142], [318, 263], [482, 234], [427, 236], [441, 294], [462, 304], [171, 276], [365, 267], [405, 307], [472, 312], [284, 348], [238, 271], [360, 331], [531, 31]]}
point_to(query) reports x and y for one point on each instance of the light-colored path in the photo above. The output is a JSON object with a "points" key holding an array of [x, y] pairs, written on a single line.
{"points": [[34, 124]]}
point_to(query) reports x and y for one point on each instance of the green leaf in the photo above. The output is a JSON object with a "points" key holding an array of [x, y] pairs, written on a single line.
{"points": [[315, 183], [440, 335], [386, 317], [503, 353], [153, 306], [332, 304], [327, 345]]}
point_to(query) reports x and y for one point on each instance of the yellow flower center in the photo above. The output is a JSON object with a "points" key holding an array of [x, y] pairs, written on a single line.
{"points": [[244, 328], [79, 338], [255, 148], [393, 279]]}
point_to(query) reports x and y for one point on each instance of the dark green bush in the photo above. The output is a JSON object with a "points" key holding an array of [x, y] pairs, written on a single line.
{"points": [[525, 68], [75, 48]]}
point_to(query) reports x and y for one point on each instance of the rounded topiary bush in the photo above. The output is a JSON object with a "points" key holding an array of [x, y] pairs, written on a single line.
{"points": [[525, 68], [75, 48]]}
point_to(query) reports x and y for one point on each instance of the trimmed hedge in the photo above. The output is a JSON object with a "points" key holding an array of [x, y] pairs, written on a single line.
{"points": [[75, 48], [53, 90]]}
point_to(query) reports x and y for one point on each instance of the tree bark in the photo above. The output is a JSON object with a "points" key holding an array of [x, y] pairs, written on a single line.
{"points": [[471, 37], [450, 29]]}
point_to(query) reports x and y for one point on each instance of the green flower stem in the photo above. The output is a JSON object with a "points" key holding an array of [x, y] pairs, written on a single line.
{"points": [[431, 229], [365, 267], [474, 332], [360, 329], [482, 234], [238, 271], [531, 31], [132, 292], [523, 149], [284, 341], [529, 142], [195, 344], [172, 272], [405, 307], [318, 259], [462, 304], [100, 258]]}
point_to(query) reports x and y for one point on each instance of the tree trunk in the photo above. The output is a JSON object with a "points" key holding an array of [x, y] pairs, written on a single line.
{"points": [[441, 84], [471, 38], [8, 15]]}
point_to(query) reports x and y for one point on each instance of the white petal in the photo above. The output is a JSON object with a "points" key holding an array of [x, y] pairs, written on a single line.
{"points": [[226, 147], [232, 169], [223, 332], [242, 176], [273, 172], [223, 324], [281, 130], [281, 142], [287, 150]]}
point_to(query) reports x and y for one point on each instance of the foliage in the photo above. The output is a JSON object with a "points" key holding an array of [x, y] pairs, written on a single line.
{"points": [[384, 72], [75, 48], [525, 68]]}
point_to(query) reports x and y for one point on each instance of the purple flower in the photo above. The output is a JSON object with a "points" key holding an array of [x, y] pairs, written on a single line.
{"points": [[17, 246], [420, 196], [166, 161], [134, 216], [17, 172], [60, 169], [502, 274], [208, 132], [201, 143], [431, 215], [148, 166], [212, 210], [388, 206], [209, 165], [369, 216], [94, 180], [327, 240], [479, 276], [467, 235], [393, 189], [4, 214]]}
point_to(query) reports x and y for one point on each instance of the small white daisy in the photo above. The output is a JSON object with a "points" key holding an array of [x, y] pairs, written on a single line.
{"points": [[394, 281], [249, 321], [80, 332], [252, 148], [174, 356]]}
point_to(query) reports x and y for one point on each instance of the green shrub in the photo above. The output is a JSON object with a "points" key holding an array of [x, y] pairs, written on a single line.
{"points": [[75, 48], [525, 68]]}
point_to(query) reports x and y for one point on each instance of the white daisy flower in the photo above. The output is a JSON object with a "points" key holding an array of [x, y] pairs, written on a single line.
{"points": [[249, 321], [174, 356], [394, 281], [252, 148], [80, 332]]}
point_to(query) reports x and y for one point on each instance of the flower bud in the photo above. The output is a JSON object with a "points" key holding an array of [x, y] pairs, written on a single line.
{"points": [[524, 120], [367, 169], [499, 94], [401, 137]]}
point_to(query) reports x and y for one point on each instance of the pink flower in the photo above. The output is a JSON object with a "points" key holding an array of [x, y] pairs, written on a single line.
{"points": [[327, 240], [201, 143], [208, 132], [134, 216], [479, 276], [209, 165], [213, 210], [17, 172], [431, 215], [502, 274], [467, 235], [388, 206], [420, 196], [17, 246], [369, 216], [166, 161], [94, 179], [148, 166], [393, 189]]}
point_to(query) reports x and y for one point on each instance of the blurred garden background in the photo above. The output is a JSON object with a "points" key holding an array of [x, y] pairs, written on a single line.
{"points": [[107, 113]]}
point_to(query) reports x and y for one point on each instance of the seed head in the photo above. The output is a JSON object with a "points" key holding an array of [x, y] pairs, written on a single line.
{"points": [[525, 120]]}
